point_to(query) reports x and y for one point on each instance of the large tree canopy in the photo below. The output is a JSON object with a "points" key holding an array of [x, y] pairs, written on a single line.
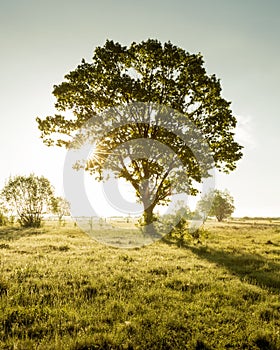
{"points": [[146, 72]]}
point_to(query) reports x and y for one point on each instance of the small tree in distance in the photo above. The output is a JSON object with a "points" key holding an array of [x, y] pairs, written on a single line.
{"points": [[3, 214], [3, 218], [28, 197], [216, 203], [60, 207]]}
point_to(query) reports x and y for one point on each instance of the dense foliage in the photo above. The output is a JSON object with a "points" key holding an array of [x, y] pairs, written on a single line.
{"points": [[28, 197]]}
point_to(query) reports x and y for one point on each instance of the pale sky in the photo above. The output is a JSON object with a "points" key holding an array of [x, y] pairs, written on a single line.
{"points": [[41, 41]]}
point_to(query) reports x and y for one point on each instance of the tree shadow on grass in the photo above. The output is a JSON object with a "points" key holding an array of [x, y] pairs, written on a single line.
{"points": [[12, 233], [254, 269]]}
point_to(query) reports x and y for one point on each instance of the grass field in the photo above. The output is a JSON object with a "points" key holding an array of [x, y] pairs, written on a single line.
{"points": [[59, 289]]}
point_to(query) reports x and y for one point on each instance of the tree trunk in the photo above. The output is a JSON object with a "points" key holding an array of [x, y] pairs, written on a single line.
{"points": [[149, 205], [148, 215], [148, 220]]}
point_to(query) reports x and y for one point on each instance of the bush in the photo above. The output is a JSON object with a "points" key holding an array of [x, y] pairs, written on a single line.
{"points": [[28, 196], [3, 219]]}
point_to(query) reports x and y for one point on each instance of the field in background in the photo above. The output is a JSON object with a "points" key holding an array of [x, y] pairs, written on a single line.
{"points": [[59, 289], [120, 232]]}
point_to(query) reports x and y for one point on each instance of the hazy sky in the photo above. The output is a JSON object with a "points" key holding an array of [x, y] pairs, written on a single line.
{"points": [[41, 41]]}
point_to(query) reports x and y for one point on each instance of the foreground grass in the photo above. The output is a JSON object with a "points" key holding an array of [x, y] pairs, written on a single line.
{"points": [[61, 290]]}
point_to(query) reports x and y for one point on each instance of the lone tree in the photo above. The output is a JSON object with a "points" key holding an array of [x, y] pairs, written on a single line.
{"points": [[60, 207], [28, 196], [217, 203], [145, 72]]}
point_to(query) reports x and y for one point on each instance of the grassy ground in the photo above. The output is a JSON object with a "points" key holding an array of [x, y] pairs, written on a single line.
{"points": [[61, 290]]}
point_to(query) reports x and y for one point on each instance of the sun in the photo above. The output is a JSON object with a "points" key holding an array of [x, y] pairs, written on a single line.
{"points": [[98, 156]]}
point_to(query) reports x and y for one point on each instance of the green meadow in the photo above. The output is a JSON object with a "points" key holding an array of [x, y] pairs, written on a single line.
{"points": [[59, 289]]}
